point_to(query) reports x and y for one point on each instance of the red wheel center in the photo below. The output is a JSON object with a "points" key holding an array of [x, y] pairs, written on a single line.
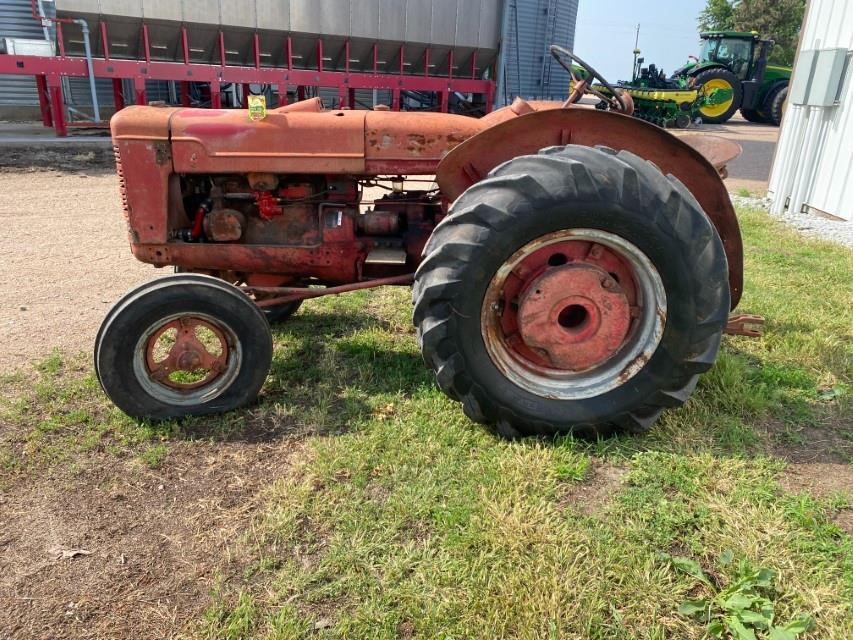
{"points": [[575, 316], [186, 353]]}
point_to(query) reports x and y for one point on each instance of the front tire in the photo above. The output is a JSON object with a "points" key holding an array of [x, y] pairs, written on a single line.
{"points": [[183, 345], [577, 290]]}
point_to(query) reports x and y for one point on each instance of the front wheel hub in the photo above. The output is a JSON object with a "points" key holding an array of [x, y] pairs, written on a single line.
{"points": [[576, 316]]}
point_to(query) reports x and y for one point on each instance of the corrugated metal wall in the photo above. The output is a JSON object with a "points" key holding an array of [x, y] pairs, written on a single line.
{"points": [[467, 26], [462, 23], [813, 167], [18, 93], [16, 21], [529, 28]]}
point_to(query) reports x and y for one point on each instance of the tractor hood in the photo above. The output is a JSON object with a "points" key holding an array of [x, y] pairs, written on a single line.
{"points": [[304, 138]]}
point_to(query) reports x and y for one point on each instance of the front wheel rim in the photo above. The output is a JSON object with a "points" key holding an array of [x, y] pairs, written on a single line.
{"points": [[573, 314], [197, 363]]}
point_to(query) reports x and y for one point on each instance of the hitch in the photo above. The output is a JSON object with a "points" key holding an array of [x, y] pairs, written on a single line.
{"points": [[745, 324]]}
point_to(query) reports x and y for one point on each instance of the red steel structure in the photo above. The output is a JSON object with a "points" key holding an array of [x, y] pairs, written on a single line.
{"points": [[49, 71]]}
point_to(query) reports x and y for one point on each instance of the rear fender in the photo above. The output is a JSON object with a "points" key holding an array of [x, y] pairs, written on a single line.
{"points": [[705, 66], [526, 134]]}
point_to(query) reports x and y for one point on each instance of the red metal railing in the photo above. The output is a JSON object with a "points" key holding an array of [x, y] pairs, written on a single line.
{"points": [[49, 71]]}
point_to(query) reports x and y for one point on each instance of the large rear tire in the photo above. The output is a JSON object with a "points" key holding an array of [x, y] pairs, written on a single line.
{"points": [[753, 115], [183, 345], [774, 104], [721, 79], [577, 290]]}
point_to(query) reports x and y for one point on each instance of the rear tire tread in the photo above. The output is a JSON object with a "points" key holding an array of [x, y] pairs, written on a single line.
{"points": [[440, 277]]}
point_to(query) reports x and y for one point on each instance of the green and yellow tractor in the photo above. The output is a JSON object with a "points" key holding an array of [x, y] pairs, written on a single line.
{"points": [[732, 73]]}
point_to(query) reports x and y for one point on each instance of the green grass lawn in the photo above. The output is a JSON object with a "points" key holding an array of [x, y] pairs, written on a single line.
{"points": [[400, 518]]}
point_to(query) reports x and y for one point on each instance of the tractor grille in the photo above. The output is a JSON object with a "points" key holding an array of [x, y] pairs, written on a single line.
{"points": [[121, 183]]}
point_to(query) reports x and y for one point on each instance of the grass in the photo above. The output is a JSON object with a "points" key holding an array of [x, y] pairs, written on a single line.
{"points": [[400, 518]]}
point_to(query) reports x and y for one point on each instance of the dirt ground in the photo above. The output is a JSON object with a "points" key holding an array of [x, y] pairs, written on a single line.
{"points": [[64, 255], [124, 551]]}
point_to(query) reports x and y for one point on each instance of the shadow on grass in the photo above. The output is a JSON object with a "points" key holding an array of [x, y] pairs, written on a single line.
{"points": [[340, 364], [330, 372]]}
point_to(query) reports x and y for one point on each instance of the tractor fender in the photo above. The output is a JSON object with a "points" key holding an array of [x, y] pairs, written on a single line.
{"points": [[533, 130], [705, 66]]}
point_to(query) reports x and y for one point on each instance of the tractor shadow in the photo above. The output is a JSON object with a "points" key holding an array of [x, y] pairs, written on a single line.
{"points": [[333, 371], [330, 372]]}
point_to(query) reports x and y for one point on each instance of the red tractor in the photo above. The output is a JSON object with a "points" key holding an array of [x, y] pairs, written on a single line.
{"points": [[573, 269]]}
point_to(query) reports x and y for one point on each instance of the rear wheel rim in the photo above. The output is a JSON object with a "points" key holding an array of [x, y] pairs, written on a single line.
{"points": [[187, 359], [573, 314]]}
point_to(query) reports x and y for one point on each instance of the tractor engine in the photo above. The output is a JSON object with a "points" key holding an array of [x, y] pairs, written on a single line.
{"points": [[324, 228]]}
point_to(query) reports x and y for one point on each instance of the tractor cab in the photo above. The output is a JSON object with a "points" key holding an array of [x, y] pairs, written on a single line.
{"points": [[732, 49]]}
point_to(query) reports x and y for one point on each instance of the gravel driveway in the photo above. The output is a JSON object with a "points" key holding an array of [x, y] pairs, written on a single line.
{"points": [[64, 257]]}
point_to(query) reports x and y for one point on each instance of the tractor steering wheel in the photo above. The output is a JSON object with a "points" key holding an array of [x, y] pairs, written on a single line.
{"points": [[615, 102]]}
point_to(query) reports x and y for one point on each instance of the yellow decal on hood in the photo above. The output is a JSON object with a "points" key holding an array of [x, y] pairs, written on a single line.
{"points": [[257, 108]]}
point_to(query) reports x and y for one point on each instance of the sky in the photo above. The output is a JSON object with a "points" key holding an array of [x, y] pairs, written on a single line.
{"points": [[605, 33]]}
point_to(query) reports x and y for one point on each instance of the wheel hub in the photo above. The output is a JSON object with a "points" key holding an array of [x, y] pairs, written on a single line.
{"points": [[576, 316], [189, 360], [186, 353], [573, 313]]}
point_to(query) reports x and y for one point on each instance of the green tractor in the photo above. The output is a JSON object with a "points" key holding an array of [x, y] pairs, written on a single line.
{"points": [[732, 73]]}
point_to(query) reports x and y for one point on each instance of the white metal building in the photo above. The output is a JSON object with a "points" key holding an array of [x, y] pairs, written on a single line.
{"points": [[813, 167]]}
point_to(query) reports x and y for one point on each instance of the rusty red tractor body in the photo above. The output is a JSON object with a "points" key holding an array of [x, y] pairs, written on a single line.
{"points": [[573, 269]]}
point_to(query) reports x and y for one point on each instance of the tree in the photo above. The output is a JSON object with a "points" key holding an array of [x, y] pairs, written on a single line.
{"points": [[778, 20], [718, 15]]}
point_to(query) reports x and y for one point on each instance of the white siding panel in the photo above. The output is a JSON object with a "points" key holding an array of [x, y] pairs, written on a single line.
{"points": [[813, 167]]}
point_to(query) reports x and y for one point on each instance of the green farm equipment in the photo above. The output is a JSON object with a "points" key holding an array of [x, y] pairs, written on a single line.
{"points": [[732, 73], [660, 100]]}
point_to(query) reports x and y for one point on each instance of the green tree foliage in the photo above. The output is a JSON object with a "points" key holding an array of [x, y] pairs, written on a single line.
{"points": [[717, 15], [779, 20]]}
